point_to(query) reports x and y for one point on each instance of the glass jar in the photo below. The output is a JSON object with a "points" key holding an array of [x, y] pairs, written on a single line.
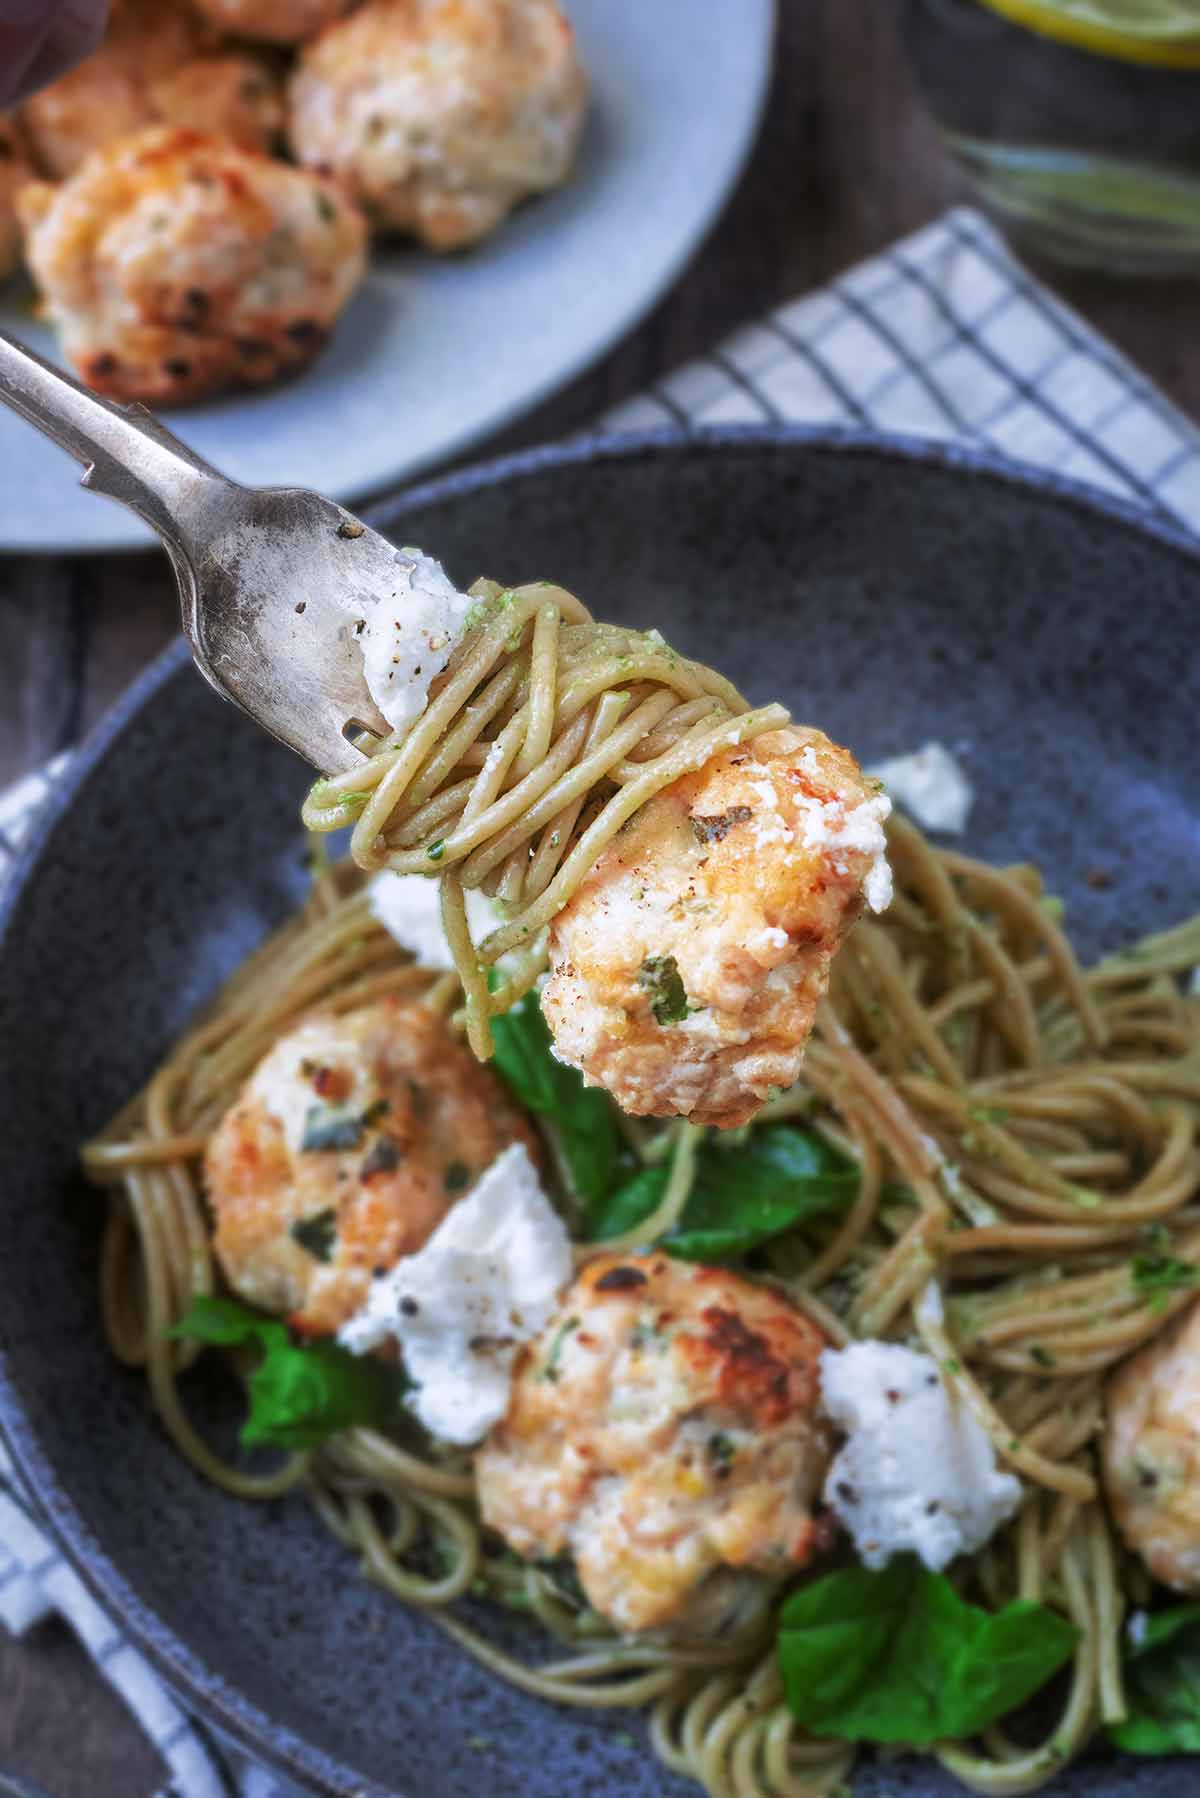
{"points": [[1091, 158]]}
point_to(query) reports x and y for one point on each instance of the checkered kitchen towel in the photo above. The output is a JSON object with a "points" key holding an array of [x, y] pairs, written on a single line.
{"points": [[943, 336]]}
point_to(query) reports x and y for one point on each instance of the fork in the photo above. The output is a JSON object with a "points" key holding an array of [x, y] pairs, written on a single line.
{"points": [[272, 580]]}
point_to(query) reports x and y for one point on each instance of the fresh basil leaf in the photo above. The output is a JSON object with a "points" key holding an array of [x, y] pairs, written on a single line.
{"points": [[631, 1204], [743, 1193], [227, 1323], [1156, 1276], [660, 977], [898, 1656], [584, 1117], [1162, 1685], [778, 1178], [299, 1394]]}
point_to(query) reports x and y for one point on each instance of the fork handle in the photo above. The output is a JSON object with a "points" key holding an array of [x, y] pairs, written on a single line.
{"points": [[127, 454]]}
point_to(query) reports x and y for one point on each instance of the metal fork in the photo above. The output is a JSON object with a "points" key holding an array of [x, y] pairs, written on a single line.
{"points": [[271, 579]]}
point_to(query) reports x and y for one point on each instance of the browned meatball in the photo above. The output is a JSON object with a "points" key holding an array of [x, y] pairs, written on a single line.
{"points": [[663, 1429], [686, 970], [174, 265], [344, 1151], [441, 114], [1151, 1453], [108, 95], [233, 96]]}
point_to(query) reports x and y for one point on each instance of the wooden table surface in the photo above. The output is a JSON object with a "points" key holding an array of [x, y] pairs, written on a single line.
{"points": [[846, 162]]}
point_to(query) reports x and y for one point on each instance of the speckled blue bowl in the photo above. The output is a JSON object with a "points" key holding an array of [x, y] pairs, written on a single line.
{"points": [[891, 593]]}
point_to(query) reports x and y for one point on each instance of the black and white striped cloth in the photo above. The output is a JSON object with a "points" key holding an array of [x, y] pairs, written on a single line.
{"points": [[943, 336]]}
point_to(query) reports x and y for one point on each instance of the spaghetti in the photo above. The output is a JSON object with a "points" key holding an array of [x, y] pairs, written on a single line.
{"points": [[543, 735], [1021, 1127]]}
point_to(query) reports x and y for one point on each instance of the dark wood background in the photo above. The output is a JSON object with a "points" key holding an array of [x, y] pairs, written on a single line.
{"points": [[846, 161]]}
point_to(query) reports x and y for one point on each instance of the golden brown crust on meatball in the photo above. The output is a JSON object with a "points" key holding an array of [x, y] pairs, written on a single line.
{"points": [[175, 265], [109, 94], [440, 115], [303, 1230], [663, 1428], [1151, 1453], [235, 96], [729, 894]]}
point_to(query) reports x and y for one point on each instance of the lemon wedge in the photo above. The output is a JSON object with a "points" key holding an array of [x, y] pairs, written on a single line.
{"points": [[1165, 33]]}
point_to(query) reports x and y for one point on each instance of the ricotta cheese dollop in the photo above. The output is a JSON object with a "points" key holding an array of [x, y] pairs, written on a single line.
{"points": [[409, 906], [406, 640], [917, 1470], [932, 785], [485, 1282]]}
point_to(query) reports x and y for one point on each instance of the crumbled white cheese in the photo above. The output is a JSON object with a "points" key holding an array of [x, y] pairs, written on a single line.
{"points": [[407, 639], [409, 906], [932, 785], [917, 1471], [485, 1282], [828, 825]]}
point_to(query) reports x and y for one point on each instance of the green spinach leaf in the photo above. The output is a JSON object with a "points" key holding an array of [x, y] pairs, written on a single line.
{"points": [[1162, 1685], [584, 1116], [1155, 1276], [744, 1193], [898, 1656], [299, 1394]]}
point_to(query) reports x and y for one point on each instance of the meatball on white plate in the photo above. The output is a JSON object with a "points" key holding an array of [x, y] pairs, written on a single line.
{"points": [[271, 21], [440, 115], [1151, 1453], [174, 265], [663, 1430], [345, 1149], [687, 968], [108, 95]]}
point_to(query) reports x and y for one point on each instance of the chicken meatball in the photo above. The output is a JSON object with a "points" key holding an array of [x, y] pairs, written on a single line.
{"points": [[108, 95], [344, 1151], [231, 96], [687, 968], [15, 173], [441, 114], [271, 21], [1151, 1453], [663, 1430], [174, 265]]}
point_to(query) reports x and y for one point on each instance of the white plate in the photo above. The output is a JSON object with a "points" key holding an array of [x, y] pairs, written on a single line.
{"points": [[434, 354]]}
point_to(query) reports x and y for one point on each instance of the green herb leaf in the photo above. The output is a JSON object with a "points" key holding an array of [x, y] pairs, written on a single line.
{"points": [[299, 1395], [744, 1193], [331, 1127], [898, 1656], [1155, 1276], [659, 976], [743, 1196], [549, 1369], [583, 1116], [1162, 1685], [317, 1234]]}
